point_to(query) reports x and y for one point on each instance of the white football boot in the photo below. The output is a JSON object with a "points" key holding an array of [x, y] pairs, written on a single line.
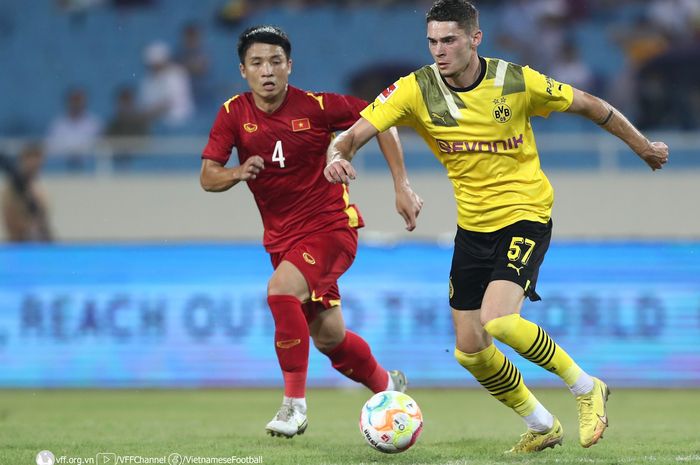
{"points": [[288, 422]]}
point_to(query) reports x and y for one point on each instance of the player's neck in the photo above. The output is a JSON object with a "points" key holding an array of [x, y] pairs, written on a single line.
{"points": [[270, 105], [468, 75]]}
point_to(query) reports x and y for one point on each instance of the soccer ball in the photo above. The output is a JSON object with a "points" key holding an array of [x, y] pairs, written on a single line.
{"points": [[391, 422]]}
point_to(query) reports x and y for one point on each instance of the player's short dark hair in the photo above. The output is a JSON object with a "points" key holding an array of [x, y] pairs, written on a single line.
{"points": [[461, 11], [263, 34]]}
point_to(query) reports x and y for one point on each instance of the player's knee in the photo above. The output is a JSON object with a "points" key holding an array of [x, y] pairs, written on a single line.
{"points": [[279, 286], [328, 340], [274, 287], [502, 327], [488, 313]]}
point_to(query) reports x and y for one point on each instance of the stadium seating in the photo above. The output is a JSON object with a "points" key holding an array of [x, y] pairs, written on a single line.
{"points": [[100, 49]]}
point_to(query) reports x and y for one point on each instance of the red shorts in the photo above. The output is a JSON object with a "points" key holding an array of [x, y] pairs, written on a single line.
{"points": [[322, 258]]}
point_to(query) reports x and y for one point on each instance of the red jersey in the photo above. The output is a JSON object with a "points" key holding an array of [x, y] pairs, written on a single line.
{"points": [[293, 196]]}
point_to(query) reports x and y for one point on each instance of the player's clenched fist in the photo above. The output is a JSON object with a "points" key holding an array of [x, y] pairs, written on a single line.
{"points": [[655, 155], [339, 171], [408, 204], [250, 168]]}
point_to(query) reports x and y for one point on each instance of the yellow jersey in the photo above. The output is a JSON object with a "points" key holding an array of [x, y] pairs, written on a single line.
{"points": [[482, 135]]}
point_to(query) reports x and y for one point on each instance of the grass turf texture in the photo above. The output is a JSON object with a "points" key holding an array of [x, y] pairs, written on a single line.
{"points": [[461, 427]]}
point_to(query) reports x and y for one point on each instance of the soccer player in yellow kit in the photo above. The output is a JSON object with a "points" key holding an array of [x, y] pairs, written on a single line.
{"points": [[474, 114]]}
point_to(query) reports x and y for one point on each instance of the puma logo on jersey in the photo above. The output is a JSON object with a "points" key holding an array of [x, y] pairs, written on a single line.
{"points": [[288, 344], [440, 117], [308, 258], [516, 268], [250, 127]]}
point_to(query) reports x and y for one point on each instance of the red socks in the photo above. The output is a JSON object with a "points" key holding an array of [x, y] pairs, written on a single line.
{"points": [[291, 342], [354, 359]]}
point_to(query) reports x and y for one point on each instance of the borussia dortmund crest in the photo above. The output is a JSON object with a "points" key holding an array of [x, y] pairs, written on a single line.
{"points": [[502, 112]]}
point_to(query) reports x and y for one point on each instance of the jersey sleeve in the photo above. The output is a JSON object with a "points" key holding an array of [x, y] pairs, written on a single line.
{"points": [[546, 95], [341, 111], [394, 106], [222, 137]]}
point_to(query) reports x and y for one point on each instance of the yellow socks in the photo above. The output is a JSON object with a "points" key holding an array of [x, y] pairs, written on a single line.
{"points": [[500, 377], [533, 343], [503, 381]]}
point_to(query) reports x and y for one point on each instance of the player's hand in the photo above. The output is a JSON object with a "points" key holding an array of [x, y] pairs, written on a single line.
{"points": [[408, 204], [655, 155], [339, 171], [251, 168]]}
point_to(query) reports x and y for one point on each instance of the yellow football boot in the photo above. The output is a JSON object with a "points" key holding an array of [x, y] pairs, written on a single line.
{"points": [[533, 441], [592, 414]]}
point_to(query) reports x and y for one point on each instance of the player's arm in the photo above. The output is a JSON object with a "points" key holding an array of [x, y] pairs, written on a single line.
{"points": [[343, 148], [408, 203], [215, 177], [654, 154]]}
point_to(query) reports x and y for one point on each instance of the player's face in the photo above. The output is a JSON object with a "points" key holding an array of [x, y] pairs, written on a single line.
{"points": [[451, 47], [266, 68]]}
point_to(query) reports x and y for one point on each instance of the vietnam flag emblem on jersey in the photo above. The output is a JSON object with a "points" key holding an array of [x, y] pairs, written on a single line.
{"points": [[301, 124]]}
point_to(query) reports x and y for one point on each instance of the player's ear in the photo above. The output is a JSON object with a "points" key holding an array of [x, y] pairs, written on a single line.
{"points": [[241, 67], [476, 38], [289, 67]]}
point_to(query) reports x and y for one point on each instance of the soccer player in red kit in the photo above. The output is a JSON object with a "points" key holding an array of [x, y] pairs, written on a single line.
{"points": [[281, 134]]}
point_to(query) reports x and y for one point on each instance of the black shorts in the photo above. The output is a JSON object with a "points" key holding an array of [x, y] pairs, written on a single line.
{"points": [[513, 253]]}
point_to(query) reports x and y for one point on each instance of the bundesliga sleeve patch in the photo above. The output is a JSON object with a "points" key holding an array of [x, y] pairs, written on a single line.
{"points": [[386, 93]]}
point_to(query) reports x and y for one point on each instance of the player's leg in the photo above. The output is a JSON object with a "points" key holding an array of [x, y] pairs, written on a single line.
{"points": [[476, 352], [532, 342], [324, 258], [286, 290], [472, 264], [521, 253], [349, 352]]}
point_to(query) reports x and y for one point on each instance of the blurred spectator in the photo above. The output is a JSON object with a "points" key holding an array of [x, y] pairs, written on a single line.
{"points": [[578, 10], [24, 202], [533, 30], [74, 134], [233, 12], [127, 119], [194, 58], [127, 122], [675, 18], [366, 83], [668, 90], [78, 6], [641, 41], [166, 94], [570, 68], [517, 32]]}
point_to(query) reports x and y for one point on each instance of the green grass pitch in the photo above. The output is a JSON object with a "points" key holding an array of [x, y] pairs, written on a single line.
{"points": [[461, 427]]}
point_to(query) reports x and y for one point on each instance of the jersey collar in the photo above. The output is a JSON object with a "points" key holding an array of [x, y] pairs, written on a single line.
{"points": [[482, 73], [290, 89]]}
